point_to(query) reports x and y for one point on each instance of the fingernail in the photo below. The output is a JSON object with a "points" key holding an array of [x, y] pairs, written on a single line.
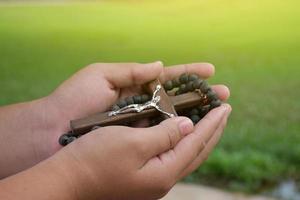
{"points": [[227, 108], [159, 63], [185, 125]]}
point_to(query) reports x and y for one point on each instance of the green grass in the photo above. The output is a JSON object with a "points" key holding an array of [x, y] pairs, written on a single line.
{"points": [[255, 46]]}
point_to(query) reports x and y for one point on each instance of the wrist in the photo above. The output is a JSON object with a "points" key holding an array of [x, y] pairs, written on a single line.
{"points": [[32, 129], [50, 125], [76, 175], [51, 177], [63, 166]]}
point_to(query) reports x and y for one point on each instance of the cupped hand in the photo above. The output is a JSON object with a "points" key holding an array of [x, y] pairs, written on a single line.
{"points": [[119, 162], [97, 87]]}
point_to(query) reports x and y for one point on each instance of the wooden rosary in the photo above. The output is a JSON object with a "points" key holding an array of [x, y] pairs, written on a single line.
{"points": [[187, 95]]}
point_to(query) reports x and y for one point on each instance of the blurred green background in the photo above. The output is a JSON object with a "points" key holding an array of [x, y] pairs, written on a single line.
{"points": [[255, 46]]}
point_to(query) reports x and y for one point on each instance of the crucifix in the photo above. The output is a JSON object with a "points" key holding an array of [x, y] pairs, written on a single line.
{"points": [[192, 93]]}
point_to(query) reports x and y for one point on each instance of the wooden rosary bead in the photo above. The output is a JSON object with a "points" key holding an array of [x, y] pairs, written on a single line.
{"points": [[122, 103], [71, 139], [145, 98], [63, 139], [168, 85], [197, 83], [195, 118], [189, 86], [182, 88], [193, 77], [212, 95], [184, 78], [204, 87], [115, 107], [129, 100], [194, 111], [204, 109], [137, 99], [176, 82], [215, 103]]}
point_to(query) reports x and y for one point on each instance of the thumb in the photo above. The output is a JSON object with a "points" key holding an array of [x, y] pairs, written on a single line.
{"points": [[129, 74], [166, 135]]}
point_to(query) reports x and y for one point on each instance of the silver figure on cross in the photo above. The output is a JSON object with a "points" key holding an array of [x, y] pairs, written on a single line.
{"points": [[153, 103]]}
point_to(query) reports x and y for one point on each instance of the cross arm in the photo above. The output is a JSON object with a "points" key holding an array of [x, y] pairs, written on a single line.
{"points": [[180, 102]]}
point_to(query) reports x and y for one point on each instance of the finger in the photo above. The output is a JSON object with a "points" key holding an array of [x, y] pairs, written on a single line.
{"points": [[204, 70], [222, 91], [129, 74], [164, 136], [207, 149], [188, 148]]}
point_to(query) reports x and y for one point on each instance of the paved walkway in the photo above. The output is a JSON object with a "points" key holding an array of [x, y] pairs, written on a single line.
{"points": [[196, 192]]}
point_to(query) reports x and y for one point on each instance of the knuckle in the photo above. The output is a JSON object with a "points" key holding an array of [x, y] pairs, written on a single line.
{"points": [[136, 73], [205, 157], [173, 135], [200, 149]]}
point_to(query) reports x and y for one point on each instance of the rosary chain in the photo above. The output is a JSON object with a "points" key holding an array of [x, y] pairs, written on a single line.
{"points": [[180, 85]]}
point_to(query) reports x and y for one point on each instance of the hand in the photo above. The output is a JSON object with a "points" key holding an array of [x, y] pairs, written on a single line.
{"points": [[96, 87], [93, 89], [119, 162], [138, 159], [134, 163]]}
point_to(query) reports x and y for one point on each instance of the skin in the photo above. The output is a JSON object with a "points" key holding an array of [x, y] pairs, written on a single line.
{"points": [[113, 162]]}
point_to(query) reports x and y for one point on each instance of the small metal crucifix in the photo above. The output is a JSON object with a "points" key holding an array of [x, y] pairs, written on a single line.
{"points": [[166, 106]]}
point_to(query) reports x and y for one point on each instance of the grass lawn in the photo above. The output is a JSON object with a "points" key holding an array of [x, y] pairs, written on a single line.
{"points": [[255, 46]]}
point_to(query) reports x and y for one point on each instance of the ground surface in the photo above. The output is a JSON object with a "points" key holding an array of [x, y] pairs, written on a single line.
{"points": [[255, 46], [197, 192]]}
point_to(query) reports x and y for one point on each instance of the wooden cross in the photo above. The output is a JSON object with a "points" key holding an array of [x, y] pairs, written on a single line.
{"points": [[170, 104]]}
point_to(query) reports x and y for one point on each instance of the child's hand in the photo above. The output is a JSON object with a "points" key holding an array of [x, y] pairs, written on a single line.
{"points": [[97, 87], [113, 162], [134, 163], [119, 162]]}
